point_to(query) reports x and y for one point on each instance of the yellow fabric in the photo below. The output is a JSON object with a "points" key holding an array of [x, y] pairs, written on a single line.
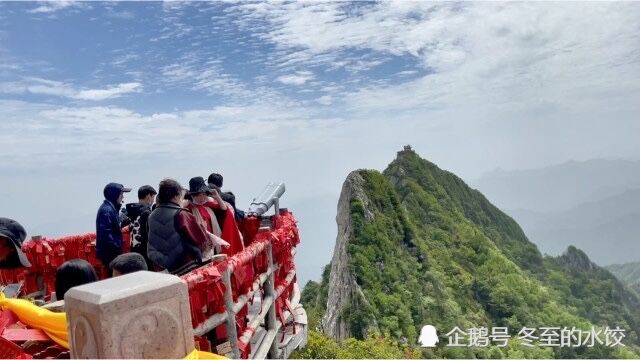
{"points": [[52, 323], [197, 354]]}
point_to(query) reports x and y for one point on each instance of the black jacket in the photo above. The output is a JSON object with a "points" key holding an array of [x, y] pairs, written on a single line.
{"points": [[166, 247], [138, 215]]}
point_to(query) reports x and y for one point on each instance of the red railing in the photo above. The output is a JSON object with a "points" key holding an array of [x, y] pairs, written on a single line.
{"points": [[219, 293], [46, 255]]}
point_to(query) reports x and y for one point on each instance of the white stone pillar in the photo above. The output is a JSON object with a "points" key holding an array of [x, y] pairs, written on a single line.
{"points": [[141, 315]]}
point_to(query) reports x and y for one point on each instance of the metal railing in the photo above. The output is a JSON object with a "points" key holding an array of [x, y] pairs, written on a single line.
{"points": [[268, 346], [263, 244]]}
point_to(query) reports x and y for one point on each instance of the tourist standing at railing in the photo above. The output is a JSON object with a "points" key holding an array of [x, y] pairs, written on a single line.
{"points": [[215, 182], [207, 211], [138, 215], [214, 212], [176, 238], [108, 225]]}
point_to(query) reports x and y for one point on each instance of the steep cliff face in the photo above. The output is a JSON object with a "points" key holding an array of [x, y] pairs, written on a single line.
{"points": [[344, 292], [575, 259]]}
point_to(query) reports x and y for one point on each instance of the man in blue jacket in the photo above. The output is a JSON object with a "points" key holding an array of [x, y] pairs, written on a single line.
{"points": [[108, 226]]}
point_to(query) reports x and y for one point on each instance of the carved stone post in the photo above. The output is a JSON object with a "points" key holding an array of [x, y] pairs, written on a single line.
{"points": [[141, 315]]}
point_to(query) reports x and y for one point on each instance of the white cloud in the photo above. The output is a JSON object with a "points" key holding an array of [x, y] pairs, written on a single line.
{"points": [[122, 60], [123, 15], [299, 78], [560, 78], [40, 86], [47, 7], [512, 56], [172, 5], [108, 93], [407, 72], [518, 57], [71, 134], [9, 67], [325, 100], [200, 74]]}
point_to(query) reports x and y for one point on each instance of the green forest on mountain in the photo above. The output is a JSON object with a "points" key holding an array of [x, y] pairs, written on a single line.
{"points": [[438, 252], [628, 273]]}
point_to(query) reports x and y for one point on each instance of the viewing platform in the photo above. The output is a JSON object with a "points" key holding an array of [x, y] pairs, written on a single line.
{"points": [[243, 306]]}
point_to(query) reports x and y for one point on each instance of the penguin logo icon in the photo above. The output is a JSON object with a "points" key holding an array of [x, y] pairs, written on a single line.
{"points": [[428, 336]]}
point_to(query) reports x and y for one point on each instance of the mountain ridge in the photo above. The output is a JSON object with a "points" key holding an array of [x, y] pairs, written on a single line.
{"points": [[417, 246], [606, 229]]}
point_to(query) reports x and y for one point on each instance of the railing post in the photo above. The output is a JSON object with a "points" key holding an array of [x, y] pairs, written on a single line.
{"points": [[270, 320], [232, 334], [142, 315]]}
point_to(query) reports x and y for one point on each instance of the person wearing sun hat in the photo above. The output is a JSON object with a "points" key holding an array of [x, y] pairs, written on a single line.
{"points": [[216, 214], [108, 225], [203, 208], [12, 235]]}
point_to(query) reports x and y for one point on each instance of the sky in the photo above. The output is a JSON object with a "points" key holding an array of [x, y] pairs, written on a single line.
{"points": [[303, 93]]}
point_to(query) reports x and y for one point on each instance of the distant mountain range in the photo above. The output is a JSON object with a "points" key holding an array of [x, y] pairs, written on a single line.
{"points": [[628, 273], [594, 205], [559, 187]]}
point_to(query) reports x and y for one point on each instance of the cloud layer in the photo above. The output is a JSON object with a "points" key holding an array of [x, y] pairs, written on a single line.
{"points": [[38, 86], [307, 91]]}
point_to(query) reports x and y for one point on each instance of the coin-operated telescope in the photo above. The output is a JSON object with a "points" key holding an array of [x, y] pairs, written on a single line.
{"points": [[269, 197]]}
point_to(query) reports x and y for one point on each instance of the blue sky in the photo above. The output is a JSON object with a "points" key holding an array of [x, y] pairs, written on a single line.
{"points": [[301, 92], [174, 56]]}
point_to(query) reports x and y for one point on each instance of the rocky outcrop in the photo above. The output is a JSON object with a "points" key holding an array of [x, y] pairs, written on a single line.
{"points": [[343, 289], [576, 260]]}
